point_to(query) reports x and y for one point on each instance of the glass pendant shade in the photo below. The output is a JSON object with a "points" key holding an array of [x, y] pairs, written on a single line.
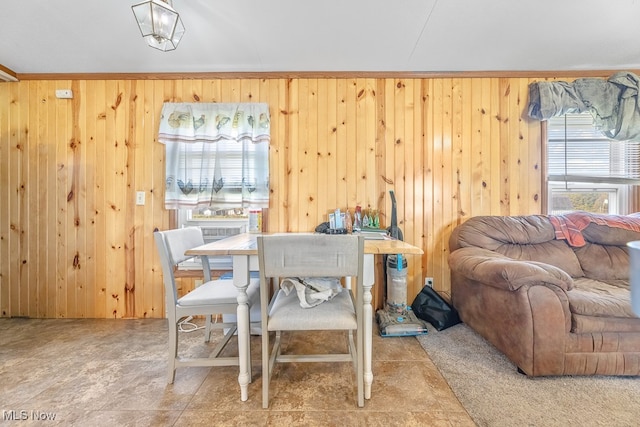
{"points": [[159, 24]]}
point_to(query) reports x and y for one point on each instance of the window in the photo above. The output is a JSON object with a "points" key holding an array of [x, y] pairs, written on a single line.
{"points": [[586, 170], [219, 175]]}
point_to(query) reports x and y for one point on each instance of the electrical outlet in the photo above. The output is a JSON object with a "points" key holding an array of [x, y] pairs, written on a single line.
{"points": [[428, 281], [197, 283], [140, 198]]}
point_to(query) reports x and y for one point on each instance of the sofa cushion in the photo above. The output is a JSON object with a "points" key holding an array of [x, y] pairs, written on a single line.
{"points": [[598, 306], [593, 324], [553, 252], [602, 262], [527, 238]]}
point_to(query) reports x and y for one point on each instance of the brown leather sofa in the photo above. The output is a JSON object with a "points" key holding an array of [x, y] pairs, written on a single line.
{"points": [[553, 304]]}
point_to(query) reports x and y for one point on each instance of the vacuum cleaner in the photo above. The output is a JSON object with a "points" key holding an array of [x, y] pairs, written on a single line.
{"points": [[397, 318]]}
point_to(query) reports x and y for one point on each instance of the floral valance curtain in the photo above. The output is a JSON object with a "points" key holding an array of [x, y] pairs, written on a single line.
{"points": [[217, 154]]}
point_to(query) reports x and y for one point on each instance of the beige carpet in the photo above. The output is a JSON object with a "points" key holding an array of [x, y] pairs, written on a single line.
{"points": [[495, 394]]}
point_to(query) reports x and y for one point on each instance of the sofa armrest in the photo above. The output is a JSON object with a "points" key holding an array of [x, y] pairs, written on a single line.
{"points": [[499, 271]]}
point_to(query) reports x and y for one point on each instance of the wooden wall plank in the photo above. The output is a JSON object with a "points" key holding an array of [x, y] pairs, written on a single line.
{"points": [[323, 151], [158, 219], [5, 138], [428, 186], [49, 167], [31, 192], [313, 164], [115, 191], [357, 153], [102, 247], [276, 153], [330, 135], [138, 237], [13, 213], [487, 124], [496, 150], [293, 164], [370, 182], [90, 151], [81, 215], [38, 124], [344, 143], [62, 227], [474, 155], [536, 164], [23, 189], [465, 144], [347, 180], [409, 188]]}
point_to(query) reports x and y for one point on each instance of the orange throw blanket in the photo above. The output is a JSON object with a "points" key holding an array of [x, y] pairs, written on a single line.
{"points": [[569, 226]]}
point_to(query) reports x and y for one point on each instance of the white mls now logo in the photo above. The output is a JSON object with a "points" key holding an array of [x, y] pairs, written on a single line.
{"points": [[24, 415]]}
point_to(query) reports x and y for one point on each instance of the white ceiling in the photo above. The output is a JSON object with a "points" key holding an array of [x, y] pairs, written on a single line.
{"points": [[101, 36]]}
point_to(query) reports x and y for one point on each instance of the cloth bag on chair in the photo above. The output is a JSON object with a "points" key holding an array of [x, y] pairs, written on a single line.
{"points": [[312, 290]]}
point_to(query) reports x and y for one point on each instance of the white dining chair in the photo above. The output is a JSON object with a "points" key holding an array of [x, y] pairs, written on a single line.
{"points": [[307, 256], [213, 297]]}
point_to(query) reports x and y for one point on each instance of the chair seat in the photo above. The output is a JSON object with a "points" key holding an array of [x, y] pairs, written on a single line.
{"points": [[287, 315], [218, 292]]}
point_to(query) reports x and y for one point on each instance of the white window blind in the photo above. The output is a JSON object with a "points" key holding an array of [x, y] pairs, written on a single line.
{"points": [[241, 164], [578, 152]]}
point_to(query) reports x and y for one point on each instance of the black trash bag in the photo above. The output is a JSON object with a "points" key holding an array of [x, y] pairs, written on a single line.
{"points": [[431, 307]]}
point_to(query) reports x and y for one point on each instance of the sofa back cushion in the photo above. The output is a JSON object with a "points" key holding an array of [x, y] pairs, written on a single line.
{"points": [[605, 255], [603, 262], [529, 238]]}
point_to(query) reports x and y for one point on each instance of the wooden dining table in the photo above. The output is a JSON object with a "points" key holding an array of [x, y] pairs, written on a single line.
{"points": [[244, 252]]}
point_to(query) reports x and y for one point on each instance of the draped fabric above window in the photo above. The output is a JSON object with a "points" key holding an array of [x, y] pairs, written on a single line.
{"points": [[614, 103], [217, 154]]}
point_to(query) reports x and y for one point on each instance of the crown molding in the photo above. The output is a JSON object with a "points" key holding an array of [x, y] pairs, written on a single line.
{"points": [[7, 75], [537, 74]]}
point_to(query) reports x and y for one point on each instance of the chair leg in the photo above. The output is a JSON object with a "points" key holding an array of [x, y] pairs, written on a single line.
{"points": [[266, 374], [271, 363], [207, 328], [360, 367], [173, 350], [352, 350]]}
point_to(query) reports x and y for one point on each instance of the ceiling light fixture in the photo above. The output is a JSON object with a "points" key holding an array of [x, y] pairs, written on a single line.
{"points": [[159, 23]]}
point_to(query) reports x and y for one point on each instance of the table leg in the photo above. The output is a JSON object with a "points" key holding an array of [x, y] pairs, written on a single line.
{"points": [[367, 312], [241, 280]]}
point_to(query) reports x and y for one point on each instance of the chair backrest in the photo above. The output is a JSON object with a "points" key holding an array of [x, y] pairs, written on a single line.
{"points": [[311, 255], [172, 245]]}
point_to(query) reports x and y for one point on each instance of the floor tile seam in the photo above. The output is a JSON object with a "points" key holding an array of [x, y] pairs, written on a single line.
{"points": [[295, 410], [114, 411], [58, 360], [194, 394]]}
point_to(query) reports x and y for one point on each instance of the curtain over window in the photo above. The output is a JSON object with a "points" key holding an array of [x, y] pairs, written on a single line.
{"points": [[217, 154], [614, 103]]}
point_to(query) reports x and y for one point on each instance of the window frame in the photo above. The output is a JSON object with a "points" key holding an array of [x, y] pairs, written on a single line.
{"points": [[620, 189]]}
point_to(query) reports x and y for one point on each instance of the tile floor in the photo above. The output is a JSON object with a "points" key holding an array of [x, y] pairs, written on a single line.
{"points": [[113, 373]]}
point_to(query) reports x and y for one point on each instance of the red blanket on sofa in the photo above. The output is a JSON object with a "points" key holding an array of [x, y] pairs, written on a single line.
{"points": [[569, 226]]}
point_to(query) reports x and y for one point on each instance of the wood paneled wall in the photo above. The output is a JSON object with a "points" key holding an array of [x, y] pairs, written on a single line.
{"points": [[74, 244]]}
